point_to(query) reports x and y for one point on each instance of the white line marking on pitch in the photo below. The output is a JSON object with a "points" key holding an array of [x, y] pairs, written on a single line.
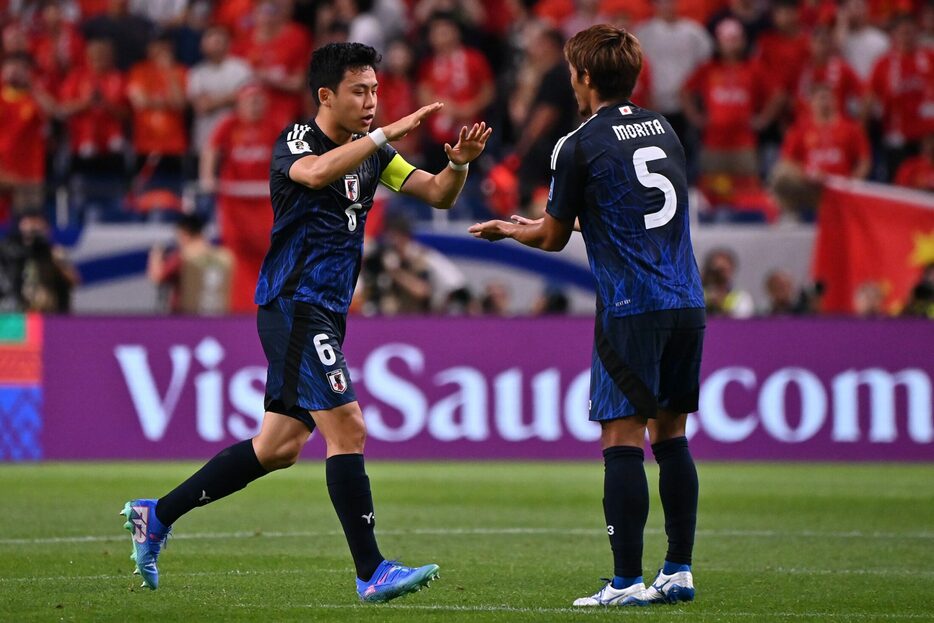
{"points": [[853, 534], [311, 572], [193, 574], [588, 611]]}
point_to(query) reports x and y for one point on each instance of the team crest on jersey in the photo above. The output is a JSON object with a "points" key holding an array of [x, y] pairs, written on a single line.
{"points": [[337, 381], [352, 187]]}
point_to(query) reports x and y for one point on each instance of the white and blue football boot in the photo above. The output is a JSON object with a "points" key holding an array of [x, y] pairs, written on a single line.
{"points": [[609, 596], [667, 589]]}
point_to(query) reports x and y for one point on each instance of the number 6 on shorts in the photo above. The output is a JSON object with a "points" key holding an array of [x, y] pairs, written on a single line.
{"points": [[325, 352]]}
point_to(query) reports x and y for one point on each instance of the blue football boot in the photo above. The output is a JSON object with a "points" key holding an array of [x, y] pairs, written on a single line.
{"points": [[149, 537], [393, 580]]}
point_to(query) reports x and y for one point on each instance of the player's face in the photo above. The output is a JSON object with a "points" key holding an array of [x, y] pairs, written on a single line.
{"points": [[580, 92], [354, 103]]}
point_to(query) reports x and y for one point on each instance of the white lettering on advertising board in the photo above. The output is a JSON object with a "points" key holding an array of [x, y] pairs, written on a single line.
{"points": [[476, 406]]}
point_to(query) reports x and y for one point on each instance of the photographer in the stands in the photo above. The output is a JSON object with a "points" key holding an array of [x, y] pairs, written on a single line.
{"points": [[35, 275]]}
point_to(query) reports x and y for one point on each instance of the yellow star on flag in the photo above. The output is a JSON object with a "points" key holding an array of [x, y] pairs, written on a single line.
{"points": [[923, 253]]}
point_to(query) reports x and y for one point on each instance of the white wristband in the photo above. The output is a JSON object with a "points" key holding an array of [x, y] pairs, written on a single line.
{"points": [[378, 137], [458, 167]]}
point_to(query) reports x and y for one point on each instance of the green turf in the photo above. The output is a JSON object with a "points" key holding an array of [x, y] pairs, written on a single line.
{"points": [[516, 542]]}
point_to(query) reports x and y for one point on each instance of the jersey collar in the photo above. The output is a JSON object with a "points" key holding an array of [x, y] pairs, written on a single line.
{"points": [[612, 105], [327, 139]]}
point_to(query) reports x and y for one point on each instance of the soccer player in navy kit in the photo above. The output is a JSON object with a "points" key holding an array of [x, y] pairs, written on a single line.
{"points": [[621, 174], [322, 180]]}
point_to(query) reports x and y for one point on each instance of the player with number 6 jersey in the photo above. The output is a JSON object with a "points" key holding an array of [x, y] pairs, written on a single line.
{"points": [[320, 254], [621, 176], [323, 176]]}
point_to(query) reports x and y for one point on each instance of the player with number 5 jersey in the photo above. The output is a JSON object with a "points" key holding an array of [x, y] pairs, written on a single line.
{"points": [[323, 176], [621, 177]]}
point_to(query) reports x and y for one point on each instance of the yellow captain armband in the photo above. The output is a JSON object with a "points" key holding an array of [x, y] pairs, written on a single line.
{"points": [[395, 173]]}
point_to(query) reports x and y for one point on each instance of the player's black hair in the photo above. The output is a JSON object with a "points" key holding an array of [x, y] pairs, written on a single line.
{"points": [[330, 62]]}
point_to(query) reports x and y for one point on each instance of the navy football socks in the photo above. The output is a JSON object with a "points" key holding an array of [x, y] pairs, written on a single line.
{"points": [[677, 486], [349, 488], [230, 470], [626, 507]]}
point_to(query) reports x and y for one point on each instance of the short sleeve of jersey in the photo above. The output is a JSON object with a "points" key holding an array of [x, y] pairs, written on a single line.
{"points": [[290, 147], [393, 169], [566, 195]]}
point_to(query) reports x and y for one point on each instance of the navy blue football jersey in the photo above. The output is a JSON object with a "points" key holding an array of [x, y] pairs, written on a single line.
{"points": [[622, 174], [317, 235]]}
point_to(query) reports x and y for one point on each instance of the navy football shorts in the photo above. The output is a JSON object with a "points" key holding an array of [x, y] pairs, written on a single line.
{"points": [[307, 371], [646, 362]]}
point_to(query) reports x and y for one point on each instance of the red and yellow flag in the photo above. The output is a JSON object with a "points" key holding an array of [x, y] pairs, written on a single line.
{"points": [[871, 233]]}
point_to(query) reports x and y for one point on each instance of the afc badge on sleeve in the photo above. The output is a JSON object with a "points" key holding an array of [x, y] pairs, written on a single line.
{"points": [[338, 381], [352, 187], [298, 146]]}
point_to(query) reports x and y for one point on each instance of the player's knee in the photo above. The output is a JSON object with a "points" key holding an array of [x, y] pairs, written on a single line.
{"points": [[629, 431], [343, 429], [350, 439], [281, 455], [667, 425], [289, 453]]}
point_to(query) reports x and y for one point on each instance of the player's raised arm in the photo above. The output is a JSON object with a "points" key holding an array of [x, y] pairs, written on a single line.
{"points": [[317, 171], [442, 189]]}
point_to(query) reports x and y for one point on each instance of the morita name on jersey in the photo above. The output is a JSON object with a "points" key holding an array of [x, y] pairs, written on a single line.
{"points": [[639, 129]]}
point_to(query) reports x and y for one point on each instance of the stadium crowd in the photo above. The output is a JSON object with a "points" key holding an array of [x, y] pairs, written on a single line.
{"points": [[132, 109]]}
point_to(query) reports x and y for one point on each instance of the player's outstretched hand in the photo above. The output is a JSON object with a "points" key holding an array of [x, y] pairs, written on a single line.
{"points": [[521, 220], [470, 143], [397, 129], [490, 230]]}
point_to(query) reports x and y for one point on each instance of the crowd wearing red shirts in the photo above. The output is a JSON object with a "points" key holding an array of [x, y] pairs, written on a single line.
{"points": [[137, 90]]}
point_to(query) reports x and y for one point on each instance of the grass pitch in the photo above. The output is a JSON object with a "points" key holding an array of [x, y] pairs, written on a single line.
{"points": [[515, 541]]}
